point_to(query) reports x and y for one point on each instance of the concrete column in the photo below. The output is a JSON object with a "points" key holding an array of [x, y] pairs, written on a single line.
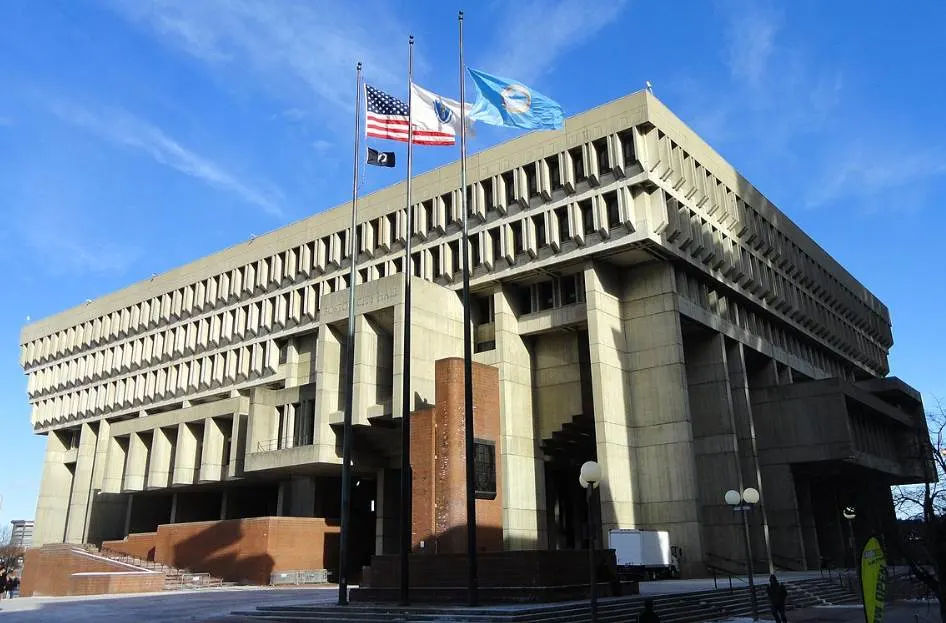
{"points": [[281, 499], [159, 474], [211, 461], [81, 484], [173, 508], [715, 442], [301, 497], [105, 512], [262, 423], [614, 436], [223, 505], [53, 502], [136, 464], [185, 458], [237, 444], [668, 496], [329, 355], [524, 486], [386, 511], [366, 368], [747, 444], [115, 464]]}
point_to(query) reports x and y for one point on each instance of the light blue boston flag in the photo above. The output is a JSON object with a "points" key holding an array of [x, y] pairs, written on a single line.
{"points": [[501, 101]]}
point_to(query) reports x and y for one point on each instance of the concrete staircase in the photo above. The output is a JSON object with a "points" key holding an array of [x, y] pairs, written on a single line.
{"points": [[675, 608], [174, 579]]}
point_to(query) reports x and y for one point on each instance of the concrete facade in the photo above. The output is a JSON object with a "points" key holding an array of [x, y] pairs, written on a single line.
{"points": [[642, 302]]}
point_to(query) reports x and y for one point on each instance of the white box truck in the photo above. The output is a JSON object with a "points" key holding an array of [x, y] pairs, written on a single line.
{"points": [[643, 554]]}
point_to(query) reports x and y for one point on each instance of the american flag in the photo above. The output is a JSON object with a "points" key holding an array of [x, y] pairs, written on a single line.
{"points": [[387, 117]]}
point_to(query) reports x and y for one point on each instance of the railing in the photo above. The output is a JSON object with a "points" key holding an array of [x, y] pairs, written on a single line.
{"points": [[716, 570], [283, 443]]}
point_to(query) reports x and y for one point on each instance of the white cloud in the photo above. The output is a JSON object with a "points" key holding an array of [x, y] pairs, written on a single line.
{"points": [[126, 130], [870, 175], [553, 28], [301, 52]]}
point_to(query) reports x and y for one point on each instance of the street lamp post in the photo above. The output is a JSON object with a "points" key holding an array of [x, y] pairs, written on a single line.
{"points": [[850, 514], [743, 503], [590, 478]]}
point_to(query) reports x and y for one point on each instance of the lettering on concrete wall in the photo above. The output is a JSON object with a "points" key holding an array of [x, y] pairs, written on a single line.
{"points": [[335, 305]]}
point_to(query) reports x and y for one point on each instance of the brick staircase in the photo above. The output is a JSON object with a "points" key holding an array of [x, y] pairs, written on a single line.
{"points": [[676, 608], [174, 579]]}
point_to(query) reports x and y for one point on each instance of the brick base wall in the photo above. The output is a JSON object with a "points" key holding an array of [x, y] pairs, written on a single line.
{"points": [[60, 570], [137, 545], [249, 550]]}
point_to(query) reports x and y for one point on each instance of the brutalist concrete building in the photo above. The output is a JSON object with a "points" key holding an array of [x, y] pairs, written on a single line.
{"points": [[643, 304]]}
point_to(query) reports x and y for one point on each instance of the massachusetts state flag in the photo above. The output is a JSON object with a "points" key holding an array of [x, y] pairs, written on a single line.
{"points": [[435, 116]]}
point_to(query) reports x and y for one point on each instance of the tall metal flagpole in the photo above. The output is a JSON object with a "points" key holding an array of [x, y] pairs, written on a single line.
{"points": [[350, 361], [406, 372], [467, 347]]}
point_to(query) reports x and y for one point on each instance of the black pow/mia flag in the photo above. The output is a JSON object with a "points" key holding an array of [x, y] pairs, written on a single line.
{"points": [[380, 158]]}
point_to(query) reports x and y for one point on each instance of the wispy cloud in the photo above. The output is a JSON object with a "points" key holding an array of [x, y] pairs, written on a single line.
{"points": [[126, 130], [301, 52], [872, 175], [527, 53]]}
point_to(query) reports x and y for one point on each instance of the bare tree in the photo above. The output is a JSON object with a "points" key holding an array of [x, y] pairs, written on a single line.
{"points": [[923, 545], [9, 551]]}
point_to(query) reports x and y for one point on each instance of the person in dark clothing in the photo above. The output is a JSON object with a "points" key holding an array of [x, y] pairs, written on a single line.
{"points": [[778, 595], [648, 615]]}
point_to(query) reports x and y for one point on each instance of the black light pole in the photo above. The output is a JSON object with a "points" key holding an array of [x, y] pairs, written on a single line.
{"points": [[590, 478], [742, 503], [849, 514]]}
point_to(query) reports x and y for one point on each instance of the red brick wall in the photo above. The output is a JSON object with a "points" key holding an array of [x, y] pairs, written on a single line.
{"points": [[50, 570], [438, 454], [247, 549], [137, 545]]}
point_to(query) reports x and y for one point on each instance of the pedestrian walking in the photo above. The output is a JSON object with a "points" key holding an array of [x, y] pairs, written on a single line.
{"points": [[778, 596], [649, 615]]}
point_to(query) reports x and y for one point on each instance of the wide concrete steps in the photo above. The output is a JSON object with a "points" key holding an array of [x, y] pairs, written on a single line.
{"points": [[174, 579], [678, 608]]}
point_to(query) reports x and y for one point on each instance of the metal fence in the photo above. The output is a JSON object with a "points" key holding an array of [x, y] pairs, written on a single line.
{"points": [[311, 576]]}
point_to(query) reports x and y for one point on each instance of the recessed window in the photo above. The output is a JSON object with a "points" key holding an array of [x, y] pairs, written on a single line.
{"points": [[611, 204], [601, 151], [475, 249], [545, 295], [561, 216], [488, 194], [541, 239], [428, 207], [626, 139], [587, 215], [497, 246], [510, 183], [517, 240], [578, 161], [532, 181]]}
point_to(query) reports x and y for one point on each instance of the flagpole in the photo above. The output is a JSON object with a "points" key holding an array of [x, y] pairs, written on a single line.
{"points": [[406, 506], [350, 361], [467, 347]]}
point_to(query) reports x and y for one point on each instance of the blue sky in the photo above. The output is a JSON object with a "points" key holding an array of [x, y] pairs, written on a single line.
{"points": [[138, 135]]}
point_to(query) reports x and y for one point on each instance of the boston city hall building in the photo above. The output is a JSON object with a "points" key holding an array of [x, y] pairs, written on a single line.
{"points": [[634, 301]]}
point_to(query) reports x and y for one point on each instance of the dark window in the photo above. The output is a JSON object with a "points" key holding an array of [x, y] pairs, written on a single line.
{"points": [[448, 206], [627, 146], [497, 247], [363, 273], [435, 260], [611, 203], [545, 295], [517, 241], [532, 180], [484, 469], [345, 279], [561, 215], [524, 299], [382, 270], [579, 162], [356, 250], [415, 258], [601, 150], [555, 173], [488, 194], [428, 207], [569, 290], [482, 309], [470, 203], [541, 239], [510, 183], [475, 249], [587, 215]]}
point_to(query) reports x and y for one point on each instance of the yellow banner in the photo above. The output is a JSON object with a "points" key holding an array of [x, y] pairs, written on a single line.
{"points": [[874, 580]]}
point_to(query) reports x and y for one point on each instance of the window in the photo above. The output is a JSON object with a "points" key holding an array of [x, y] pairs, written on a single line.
{"points": [[474, 249], [524, 300], [601, 150], [510, 184], [415, 260], [448, 207], [531, 180], [541, 239], [611, 204], [482, 309], [573, 289], [555, 173], [517, 241], [626, 139], [488, 195], [484, 469], [578, 160], [587, 215], [561, 216], [428, 208], [544, 295], [497, 246], [435, 260]]}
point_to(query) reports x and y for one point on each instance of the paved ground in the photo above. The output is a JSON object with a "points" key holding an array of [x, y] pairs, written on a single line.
{"points": [[195, 606], [894, 613]]}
